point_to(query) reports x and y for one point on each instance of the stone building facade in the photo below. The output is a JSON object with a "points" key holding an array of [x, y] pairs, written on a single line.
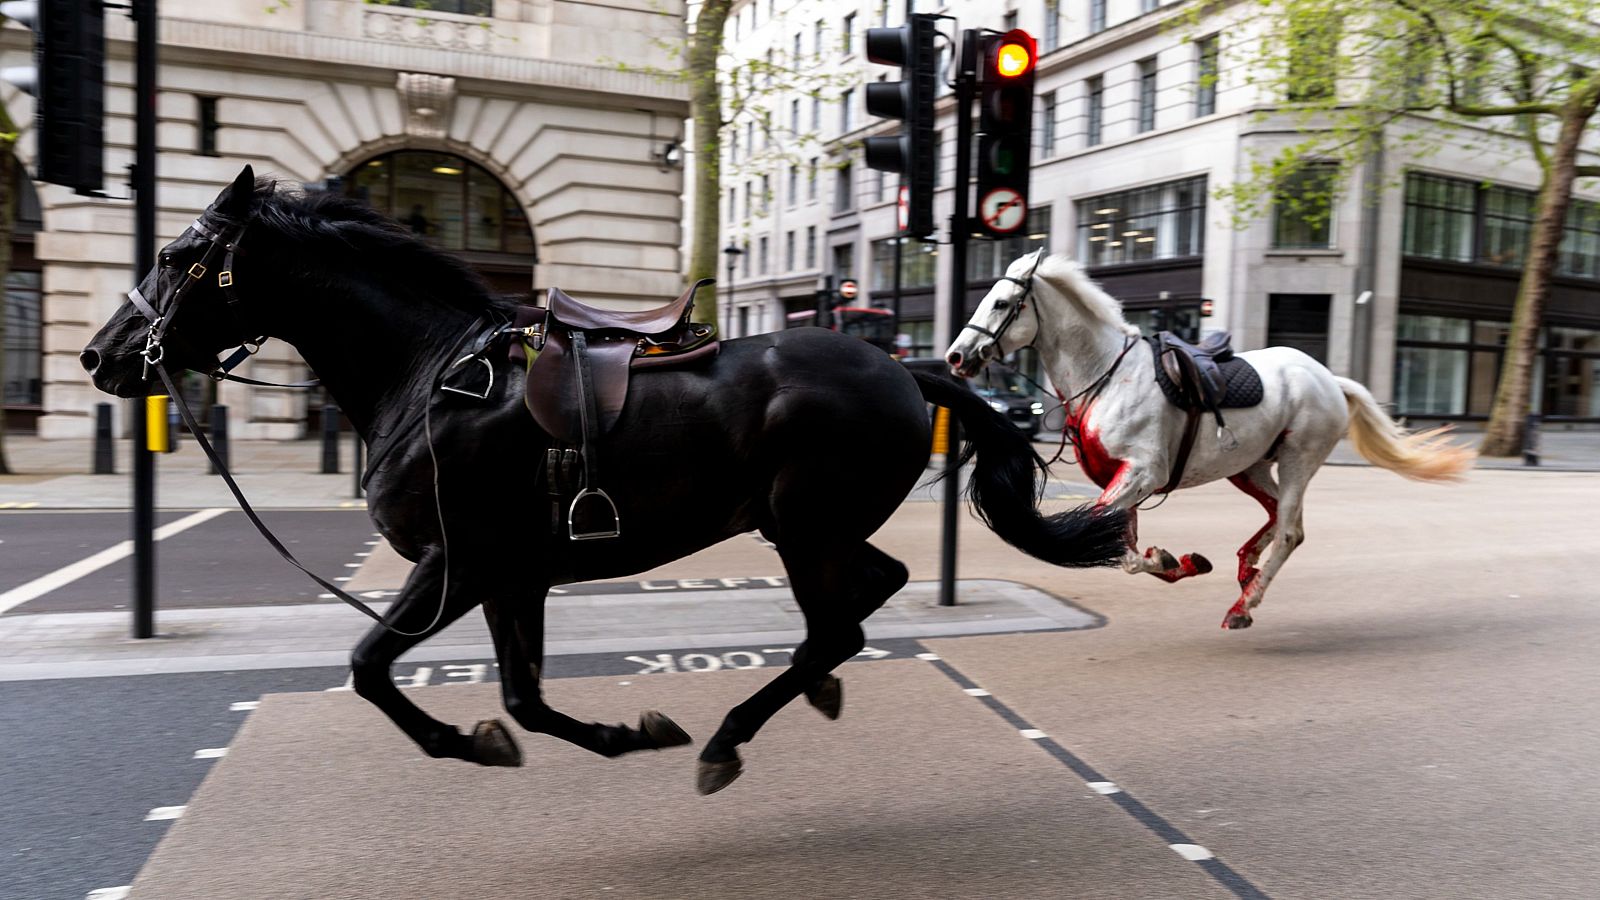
{"points": [[506, 130]]}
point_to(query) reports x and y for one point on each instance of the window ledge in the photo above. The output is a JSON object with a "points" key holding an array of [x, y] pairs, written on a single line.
{"points": [[1309, 251]]}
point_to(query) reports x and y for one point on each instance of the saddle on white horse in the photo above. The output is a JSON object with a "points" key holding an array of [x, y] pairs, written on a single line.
{"points": [[1202, 378]]}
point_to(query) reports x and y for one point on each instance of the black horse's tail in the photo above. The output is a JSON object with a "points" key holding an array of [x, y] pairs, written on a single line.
{"points": [[1007, 484]]}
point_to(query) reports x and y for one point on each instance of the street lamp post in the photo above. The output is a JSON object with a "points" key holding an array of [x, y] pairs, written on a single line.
{"points": [[732, 252]]}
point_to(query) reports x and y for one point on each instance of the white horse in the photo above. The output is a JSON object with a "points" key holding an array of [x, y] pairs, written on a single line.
{"points": [[1127, 435]]}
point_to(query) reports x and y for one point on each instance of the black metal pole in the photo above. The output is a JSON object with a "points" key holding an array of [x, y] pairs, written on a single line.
{"points": [[219, 437], [105, 447], [899, 244], [330, 439], [356, 448], [966, 74], [144, 259]]}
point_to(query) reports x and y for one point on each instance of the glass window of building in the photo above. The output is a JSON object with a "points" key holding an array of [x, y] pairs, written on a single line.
{"points": [[1439, 217], [1449, 366], [1313, 65], [24, 361], [1097, 16], [788, 251], [1507, 225], [1205, 90], [1047, 124], [1147, 94], [988, 260], [844, 262], [460, 7], [1052, 25], [1164, 221], [919, 265], [811, 180], [1094, 115], [1303, 207], [844, 194], [451, 202], [761, 256], [811, 246], [846, 110], [847, 36], [1580, 245]]}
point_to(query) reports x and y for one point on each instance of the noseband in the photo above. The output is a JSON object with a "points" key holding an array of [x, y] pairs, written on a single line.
{"points": [[1011, 316]]}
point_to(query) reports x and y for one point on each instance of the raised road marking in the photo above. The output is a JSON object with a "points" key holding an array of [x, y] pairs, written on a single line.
{"points": [[66, 575], [211, 753], [112, 893], [163, 813], [243, 705], [1220, 872]]}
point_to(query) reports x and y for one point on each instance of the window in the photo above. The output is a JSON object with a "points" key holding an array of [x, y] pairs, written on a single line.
{"points": [[1302, 207], [811, 180], [879, 182], [816, 46], [1148, 6], [811, 246], [1205, 89], [1313, 69], [1299, 321], [1147, 94], [755, 17], [460, 7], [450, 202], [766, 194], [846, 108], [1095, 115], [24, 340], [988, 260], [919, 264], [883, 13], [844, 199], [794, 184], [816, 113], [788, 251], [749, 194], [206, 132], [1097, 16], [1009, 21], [1163, 221], [750, 137], [938, 161], [761, 256], [1580, 247], [1052, 25], [844, 262], [848, 37], [1507, 223], [1449, 366], [733, 204], [733, 144], [795, 59], [794, 116], [1439, 217], [744, 259], [1047, 136]]}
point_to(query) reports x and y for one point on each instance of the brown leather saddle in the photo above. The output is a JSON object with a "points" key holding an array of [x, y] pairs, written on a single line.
{"points": [[1201, 378], [577, 384]]}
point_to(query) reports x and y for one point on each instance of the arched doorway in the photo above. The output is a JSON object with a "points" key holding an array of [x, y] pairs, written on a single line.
{"points": [[456, 205]]}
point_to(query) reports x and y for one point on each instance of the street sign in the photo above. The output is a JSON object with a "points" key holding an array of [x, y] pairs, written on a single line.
{"points": [[1003, 210], [848, 290]]}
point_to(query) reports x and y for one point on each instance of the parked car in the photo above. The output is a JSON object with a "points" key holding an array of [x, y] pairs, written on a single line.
{"points": [[1004, 391]]}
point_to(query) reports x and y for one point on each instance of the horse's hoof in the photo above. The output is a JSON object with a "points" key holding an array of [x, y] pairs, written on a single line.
{"points": [[1235, 621], [662, 730], [492, 745], [827, 697], [714, 776], [1199, 563], [1165, 560]]}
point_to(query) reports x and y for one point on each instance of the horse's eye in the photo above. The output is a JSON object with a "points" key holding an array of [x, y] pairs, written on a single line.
{"points": [[1001, 304]]}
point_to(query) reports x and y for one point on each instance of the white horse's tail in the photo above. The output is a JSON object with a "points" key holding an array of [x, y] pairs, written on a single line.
{"points": [[1423, 455]]}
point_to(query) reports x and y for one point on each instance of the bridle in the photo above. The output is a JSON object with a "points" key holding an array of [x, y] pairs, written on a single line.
{"points": [[993, 350], [164, 310]]}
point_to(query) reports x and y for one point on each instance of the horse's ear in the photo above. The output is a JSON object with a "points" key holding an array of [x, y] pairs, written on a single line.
{"points": [[235, 199]]}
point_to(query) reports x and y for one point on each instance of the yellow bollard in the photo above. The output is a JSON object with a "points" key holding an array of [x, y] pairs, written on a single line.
{"points": [[941, 430], [157, 436]]}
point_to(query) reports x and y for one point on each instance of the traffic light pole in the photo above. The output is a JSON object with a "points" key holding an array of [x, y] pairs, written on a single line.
{"points": [[960, 230], [144, 235]]}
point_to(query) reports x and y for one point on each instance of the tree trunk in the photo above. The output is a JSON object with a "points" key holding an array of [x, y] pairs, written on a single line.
{"points": [[705, 49], [1513, 397], [8, 209]]}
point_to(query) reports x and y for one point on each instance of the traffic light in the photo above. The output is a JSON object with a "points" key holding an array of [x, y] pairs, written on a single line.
{"points": [[1005, 123], [67, 81], [912, 151]]}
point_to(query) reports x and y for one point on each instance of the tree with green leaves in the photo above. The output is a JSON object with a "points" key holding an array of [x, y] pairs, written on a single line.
{"points": [[1504, 76]]}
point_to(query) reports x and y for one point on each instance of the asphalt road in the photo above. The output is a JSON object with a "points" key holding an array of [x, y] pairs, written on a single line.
{"points": [[221, 562]]}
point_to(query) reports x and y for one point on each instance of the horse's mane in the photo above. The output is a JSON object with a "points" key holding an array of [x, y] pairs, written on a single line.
{"points": [[1066, 275], [330, 228]]}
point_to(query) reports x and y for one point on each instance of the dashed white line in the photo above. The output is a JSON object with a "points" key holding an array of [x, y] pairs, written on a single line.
{"points": [[363, 554], [243, 705], [930, 657], [975, 692], [211, 753], [1033, 734], [1104, 787], [112, 893], [1192, 852], [352, 565], [372, 543], [163, 813]]}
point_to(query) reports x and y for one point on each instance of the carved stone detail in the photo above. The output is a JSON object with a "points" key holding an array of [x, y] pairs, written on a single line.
{"points": [[427, 101], [435, 30]]}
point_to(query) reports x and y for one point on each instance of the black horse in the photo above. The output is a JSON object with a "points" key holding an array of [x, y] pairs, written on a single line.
{"points": [[759, 438]]}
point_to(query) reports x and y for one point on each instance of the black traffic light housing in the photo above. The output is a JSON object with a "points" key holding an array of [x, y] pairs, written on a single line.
{"points": [[68, 86], [911, 152], [1005, 123]]}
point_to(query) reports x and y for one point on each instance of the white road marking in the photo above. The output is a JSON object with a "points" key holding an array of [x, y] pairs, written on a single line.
{"points": [[930, 657], [211, 753], [976, 692], [243, 705], [112, 893], [1192, 852], [324, 596], [1104, 787], [342, 578], [66, 575], [163, 813], [363, 554], [372, 543], [1033, 734], [352, 565]]}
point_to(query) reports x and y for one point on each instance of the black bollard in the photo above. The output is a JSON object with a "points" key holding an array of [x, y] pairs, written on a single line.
{"points": [[355, 467], [219, 437], [1530, 440], [330, 439], [105, 449]]}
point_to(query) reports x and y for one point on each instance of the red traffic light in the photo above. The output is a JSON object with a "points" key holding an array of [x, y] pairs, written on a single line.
{"points": [[1013, 55]]}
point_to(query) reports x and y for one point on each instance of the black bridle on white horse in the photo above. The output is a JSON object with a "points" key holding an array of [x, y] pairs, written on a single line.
{"points": [[993, 350]]}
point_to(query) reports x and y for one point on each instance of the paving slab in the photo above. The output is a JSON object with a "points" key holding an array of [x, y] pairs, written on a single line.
{"points": [[918, 791]]}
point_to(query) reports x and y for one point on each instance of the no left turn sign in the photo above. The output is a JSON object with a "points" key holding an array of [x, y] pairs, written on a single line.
{"points": [[1003, 210]]}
